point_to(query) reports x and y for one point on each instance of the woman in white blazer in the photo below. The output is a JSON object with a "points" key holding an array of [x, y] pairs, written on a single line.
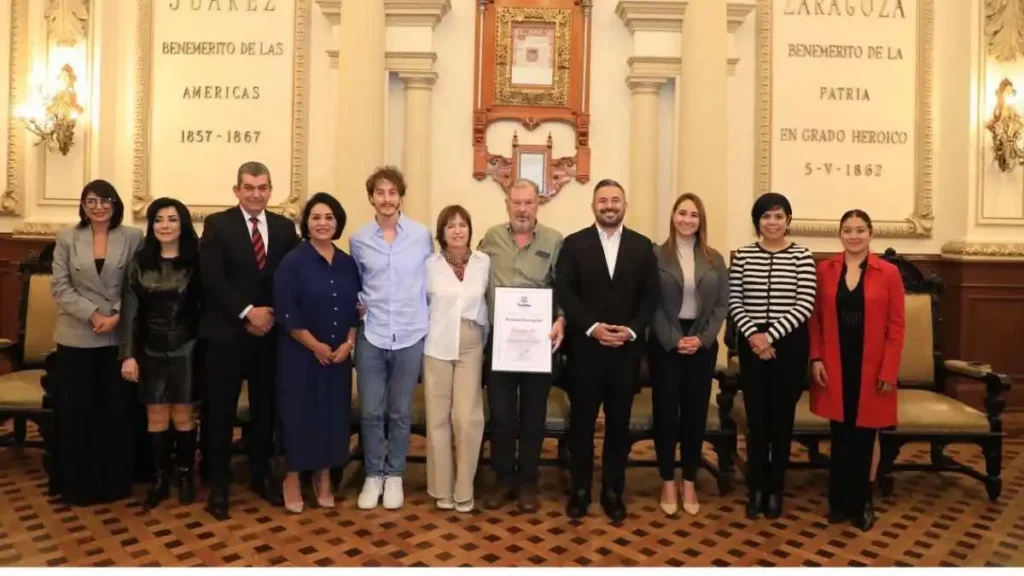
{"points": [[94, 408]]}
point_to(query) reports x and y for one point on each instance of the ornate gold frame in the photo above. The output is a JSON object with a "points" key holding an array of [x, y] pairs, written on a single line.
{"points": [[12, 197], [919, 223], [300, 116], [506, 94]]}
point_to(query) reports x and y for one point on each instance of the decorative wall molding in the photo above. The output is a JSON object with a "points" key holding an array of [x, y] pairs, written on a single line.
{"points": [[645, 16], [1004, 29], [38, 229], [67, 21], [331, 9], [960, 249], [415, 12], [919, 223], [652, 15], [300, 116], [653, 68], [12, 197], [410, 62]]}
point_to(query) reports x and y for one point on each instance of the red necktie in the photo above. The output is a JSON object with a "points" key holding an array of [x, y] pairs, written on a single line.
{"points": [[257, 244]]}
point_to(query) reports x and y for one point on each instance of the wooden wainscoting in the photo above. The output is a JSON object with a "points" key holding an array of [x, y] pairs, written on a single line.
{"points": [[983, 309], [12, 252]]}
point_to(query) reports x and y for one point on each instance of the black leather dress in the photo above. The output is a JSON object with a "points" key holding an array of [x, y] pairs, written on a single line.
{"points": [[160, 320]]}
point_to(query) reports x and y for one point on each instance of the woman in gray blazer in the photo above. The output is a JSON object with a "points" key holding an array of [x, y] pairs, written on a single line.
{"points": [[93, 401], [692, 307]]}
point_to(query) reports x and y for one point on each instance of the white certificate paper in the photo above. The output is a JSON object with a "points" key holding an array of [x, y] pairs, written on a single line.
{"points": [[522, 330]]}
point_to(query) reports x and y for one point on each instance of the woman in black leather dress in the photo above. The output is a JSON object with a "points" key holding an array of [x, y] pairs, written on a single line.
{"points": [[159, 319]]}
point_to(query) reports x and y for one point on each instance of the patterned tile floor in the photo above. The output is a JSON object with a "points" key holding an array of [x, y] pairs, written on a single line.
{"points": [[930, 520]]}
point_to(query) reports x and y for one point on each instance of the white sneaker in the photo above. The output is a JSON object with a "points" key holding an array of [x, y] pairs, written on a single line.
{"points": [[393, 495], [464, 507], [373, 487], [445, 504]]}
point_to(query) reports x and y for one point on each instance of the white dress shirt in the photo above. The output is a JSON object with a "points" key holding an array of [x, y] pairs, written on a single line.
{"points": [[262, 227], [610, 245], [450, 301]]}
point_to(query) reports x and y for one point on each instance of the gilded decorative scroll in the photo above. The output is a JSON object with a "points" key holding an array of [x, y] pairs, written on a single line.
{"points": [[919, 222], [292, 205], [507, 93], [1004, 28], [961, 249], [12, 197]]}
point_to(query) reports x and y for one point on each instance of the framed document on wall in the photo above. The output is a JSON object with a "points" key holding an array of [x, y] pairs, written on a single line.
{"points": [[220, 84], [844, 112], [532, 66]]}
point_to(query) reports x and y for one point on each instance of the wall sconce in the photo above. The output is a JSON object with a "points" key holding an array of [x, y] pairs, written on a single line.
{"points": [[1006, 126], [52, 117]]}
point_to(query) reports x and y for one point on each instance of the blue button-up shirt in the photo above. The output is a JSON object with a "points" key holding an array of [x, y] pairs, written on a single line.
{"points": [[394, 282]]}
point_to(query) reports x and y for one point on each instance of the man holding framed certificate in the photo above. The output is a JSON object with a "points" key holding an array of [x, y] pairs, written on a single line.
{"points": [[528, 328], [607, 283]]}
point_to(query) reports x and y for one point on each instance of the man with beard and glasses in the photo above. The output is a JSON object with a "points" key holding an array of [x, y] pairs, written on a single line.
{"points": [[607, 283], [391, 253], [523, 255]]}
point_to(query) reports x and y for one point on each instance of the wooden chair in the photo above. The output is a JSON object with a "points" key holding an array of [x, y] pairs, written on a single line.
{"points": [[23, 396]]}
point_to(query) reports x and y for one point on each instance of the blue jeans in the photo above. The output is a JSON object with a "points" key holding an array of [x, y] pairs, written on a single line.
{"points": [[386, 379]]}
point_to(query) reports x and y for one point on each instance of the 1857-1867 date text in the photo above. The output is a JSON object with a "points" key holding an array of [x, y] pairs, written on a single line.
{"points": [[229, 136]]}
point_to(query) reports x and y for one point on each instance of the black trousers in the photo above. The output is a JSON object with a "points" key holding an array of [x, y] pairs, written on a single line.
{"points": [[228, 363], [519, 409], [771, 390], [94, 417], [601, 377], [682, 389], [849, 481]]}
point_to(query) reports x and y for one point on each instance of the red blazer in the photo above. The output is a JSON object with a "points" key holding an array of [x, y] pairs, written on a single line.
{"points": [[884, 326]]}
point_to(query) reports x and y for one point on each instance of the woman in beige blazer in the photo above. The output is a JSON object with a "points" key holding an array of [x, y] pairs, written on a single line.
{"points": [[93, 401]]}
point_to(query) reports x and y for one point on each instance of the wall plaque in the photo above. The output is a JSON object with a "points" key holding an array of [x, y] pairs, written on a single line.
{"points": [[533, 66], [220, 83], [844, 111]]}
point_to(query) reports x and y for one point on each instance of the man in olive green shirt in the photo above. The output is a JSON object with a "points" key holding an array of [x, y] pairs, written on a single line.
{"points": [[523, 255]]}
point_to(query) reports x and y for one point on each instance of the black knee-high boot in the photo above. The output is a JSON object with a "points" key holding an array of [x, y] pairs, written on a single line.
{"points": [[185, 448], [161, 454]]}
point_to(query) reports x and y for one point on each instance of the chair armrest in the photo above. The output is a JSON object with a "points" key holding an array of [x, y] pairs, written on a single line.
{"points": [[728, 373], [995, 385], [5, 343], [981, 373]]}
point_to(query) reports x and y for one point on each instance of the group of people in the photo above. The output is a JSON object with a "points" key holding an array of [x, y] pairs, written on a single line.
{"points": [[292, 315]]}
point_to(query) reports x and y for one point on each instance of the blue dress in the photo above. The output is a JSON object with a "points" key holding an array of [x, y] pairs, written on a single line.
{"points": [[314, 401]]}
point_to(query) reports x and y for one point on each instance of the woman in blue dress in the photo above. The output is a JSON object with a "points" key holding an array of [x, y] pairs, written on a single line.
{"points": [[315, 291]]}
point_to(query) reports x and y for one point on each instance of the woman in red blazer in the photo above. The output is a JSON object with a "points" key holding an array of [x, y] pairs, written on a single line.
{"points": [[856, 342]]}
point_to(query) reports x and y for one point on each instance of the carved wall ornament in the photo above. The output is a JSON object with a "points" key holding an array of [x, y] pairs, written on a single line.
{"points": [[12, 195], [68, 21], [38, 229], [532, 66], [1004, 29], [1001, 250], [526, 161]]}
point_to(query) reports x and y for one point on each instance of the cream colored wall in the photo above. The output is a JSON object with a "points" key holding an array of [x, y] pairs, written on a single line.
{"points": [[962, 79]]}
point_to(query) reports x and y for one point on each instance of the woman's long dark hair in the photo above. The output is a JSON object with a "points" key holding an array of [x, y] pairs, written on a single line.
{"points": [[188, 244]]}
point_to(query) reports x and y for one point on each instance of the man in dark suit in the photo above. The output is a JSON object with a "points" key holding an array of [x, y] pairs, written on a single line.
{"points": [[607, 284], [239, 252]]}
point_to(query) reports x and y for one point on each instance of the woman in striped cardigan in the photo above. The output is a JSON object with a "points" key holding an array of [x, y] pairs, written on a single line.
{"points": [[771, 297]]}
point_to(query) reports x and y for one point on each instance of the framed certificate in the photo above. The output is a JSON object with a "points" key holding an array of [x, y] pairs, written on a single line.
{"points": [[522, 330]]}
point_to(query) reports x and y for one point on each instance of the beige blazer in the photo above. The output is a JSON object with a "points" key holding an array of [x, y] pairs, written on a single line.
{"points": [[79, 290]]}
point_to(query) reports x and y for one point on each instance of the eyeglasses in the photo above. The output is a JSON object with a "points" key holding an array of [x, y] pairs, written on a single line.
{"points": [[94, 202]]}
